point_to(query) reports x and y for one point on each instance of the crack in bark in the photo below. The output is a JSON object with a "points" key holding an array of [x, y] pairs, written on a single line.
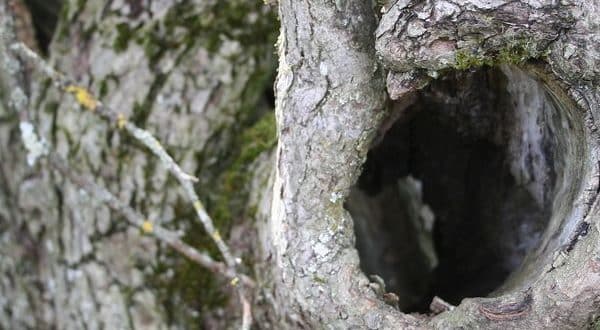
{"points": [[506, 312]]}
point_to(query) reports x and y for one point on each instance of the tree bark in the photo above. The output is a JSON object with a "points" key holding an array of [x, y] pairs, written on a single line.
{"points": [[196, 74], [327, 119]]}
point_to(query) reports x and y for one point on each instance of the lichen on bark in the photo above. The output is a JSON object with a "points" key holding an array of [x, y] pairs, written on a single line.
{"points": [[193, 86], [194, 72]]}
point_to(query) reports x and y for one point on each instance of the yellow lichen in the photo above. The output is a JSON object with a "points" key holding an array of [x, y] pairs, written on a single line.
{"points": [[147, 227], [121, 121], [198, 205], [83, 97]]}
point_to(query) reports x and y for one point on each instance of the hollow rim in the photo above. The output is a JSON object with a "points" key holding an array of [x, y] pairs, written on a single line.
{"points": [[541, 169], [562, 234], [581, 213]]}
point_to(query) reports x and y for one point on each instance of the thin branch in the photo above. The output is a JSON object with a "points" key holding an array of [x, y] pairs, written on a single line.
{"points": [[246, 310], [89, 102], [136, 219]]}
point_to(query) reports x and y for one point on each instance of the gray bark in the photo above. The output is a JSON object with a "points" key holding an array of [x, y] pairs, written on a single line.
{"points": [[330, 97], [193, 73], [327, 119]]}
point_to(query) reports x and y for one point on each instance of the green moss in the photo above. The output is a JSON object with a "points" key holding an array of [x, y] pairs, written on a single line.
{"points": [[235, 146], [157, 43], [229, 19], [141, 111], [465, 60], [182, 282], [191, 285], [187, 25], [252, 142], [319, 280], [52, 108], [195, 287], [255, 140], [62, 28], [104, 85], [9, 117], [516, 52], [81, 3], [103, 89], [124, 35]]}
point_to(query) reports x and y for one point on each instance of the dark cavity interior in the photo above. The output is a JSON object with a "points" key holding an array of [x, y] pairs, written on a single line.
{"points": [[460, 187], [44, 15]]}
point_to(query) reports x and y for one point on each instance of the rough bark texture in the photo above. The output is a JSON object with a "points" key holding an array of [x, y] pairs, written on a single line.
{"points": [[462, 185], [194, 74], [327, 119], [434, 36], [330, 100]]}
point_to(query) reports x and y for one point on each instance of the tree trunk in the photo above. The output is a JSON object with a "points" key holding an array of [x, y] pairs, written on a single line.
{"points": [[194, 73], [329, 108], [475, 176]]}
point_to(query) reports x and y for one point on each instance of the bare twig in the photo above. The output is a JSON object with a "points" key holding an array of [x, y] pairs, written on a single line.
{"points": [[89, 102], [246, 311], [136, 219]]}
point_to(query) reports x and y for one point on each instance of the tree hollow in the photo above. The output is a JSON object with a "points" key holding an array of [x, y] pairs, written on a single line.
{"points": [[470, 187]]}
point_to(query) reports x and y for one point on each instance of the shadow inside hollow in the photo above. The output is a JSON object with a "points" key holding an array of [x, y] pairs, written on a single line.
{"points": [[447, 204]]}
